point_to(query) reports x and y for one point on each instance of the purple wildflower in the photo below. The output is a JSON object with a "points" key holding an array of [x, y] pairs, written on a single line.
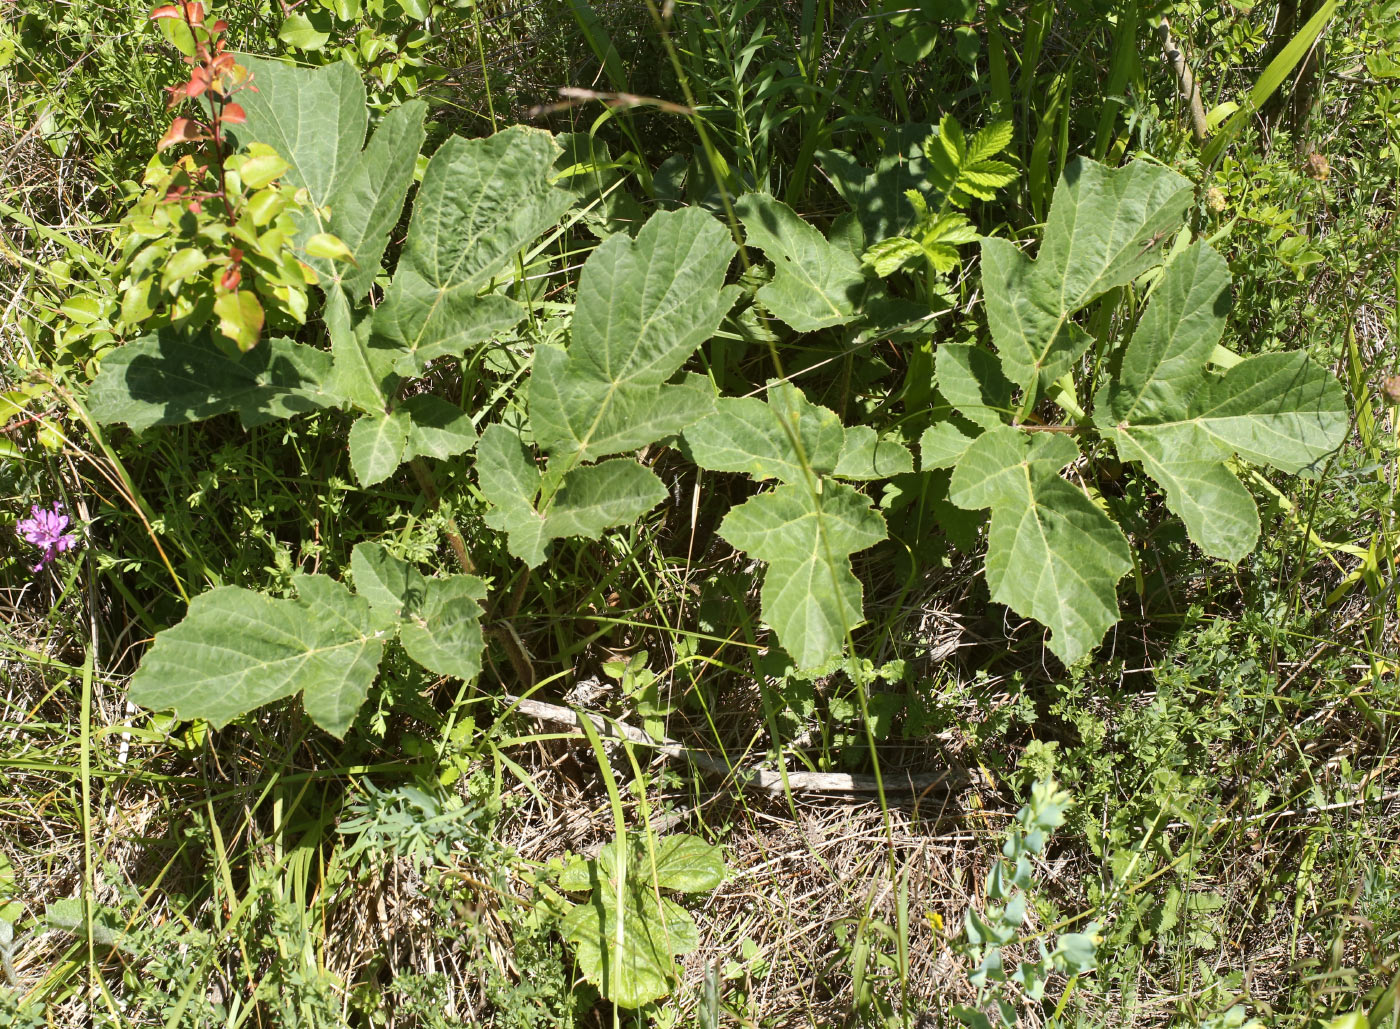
{"points": [[45, 529]]}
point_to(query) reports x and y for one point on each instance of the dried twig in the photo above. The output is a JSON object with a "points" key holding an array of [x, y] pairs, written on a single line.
{"points": [[776, 782], [1190, 92]]}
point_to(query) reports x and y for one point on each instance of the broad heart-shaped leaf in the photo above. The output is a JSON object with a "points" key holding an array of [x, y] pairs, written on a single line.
{"points": [[316, 119], [810, 596], [643, 307], [631, 963], [439, 619], [1102, 232], [634, 962], [237, 650], [170, 379], [1164, 411], [815, 285], [1052, 555], [686, 864], [480, 202], [589, 499]]}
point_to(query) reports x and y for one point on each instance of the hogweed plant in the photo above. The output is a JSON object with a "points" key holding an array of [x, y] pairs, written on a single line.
{"points": [[1007, 446], [1016, 428]]}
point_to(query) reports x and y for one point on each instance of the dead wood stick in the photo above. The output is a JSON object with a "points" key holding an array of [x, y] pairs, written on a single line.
{"points": [[1185, 81], [798, 782]]}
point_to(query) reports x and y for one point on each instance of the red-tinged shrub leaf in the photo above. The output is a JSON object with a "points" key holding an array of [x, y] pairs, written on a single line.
{"points": [[234, 114], [182, 130], [167, 11]]}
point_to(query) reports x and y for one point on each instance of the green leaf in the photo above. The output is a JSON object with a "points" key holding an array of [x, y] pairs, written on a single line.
{"points": [[442, 631], [300, 33], [368, 200], [756, 438], [510, 482], [439, 620], [960, 170], [590, 498], [643, 307], [594, 497], [108, 927], [316, 118], [360, 372], [970, 379], [385, 581], [1102, 232], [83, 310], [436, 428], [1164, 411], [810, 597], [625, 936], [329, 247], [866, 455], [942, 446], [1052, 555], [632, 963], [480, 202], [686, 864], [171, 379], [815, 285], [889, 255], [237, 650], [263, 167], [240, 317], [377, 445]]}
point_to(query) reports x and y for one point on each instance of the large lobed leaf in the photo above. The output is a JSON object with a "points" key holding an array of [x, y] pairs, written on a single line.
{"points": [[1102, 232], [815, 285], [806, 529], [1052, 554], [316, 119], [643, 307], [480, 202], [590, 499], [237, 650], [810, 596], [1163, 410], [168, 378], [438, 619]]}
